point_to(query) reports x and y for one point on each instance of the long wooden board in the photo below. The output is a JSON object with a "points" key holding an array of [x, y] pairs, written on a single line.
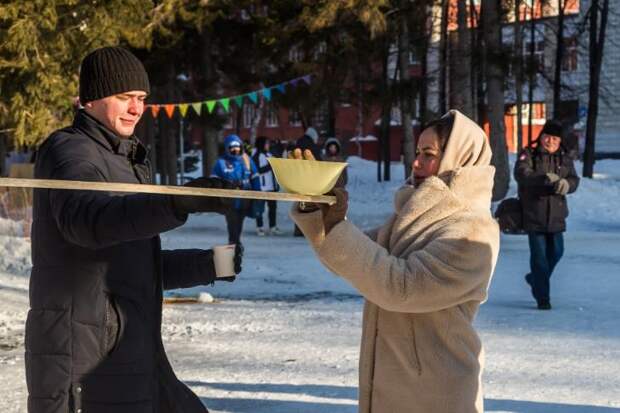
{"points": [[162, 189]]}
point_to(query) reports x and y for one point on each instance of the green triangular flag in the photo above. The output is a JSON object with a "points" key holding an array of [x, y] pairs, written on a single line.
{"points": [[197, 108], [239, 100], [183, 108], [225, 103], [253, 97], [211, 105]]}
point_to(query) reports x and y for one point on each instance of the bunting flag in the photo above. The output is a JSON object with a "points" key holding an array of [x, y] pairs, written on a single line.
{"points": [[155, 110], [169, 110], [225, 103], [266, 92], [183, 108], [211, 105], [197, 108]]}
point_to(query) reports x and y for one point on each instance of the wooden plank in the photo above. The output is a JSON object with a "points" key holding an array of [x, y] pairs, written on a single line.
{"points": [[162, 189]]}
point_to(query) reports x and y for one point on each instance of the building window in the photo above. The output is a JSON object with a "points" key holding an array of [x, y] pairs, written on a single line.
{"points": [[538, 54], [396, 116], [569, 60], [295, 54], [320, 117], [294, 118], [249, 112], [271, 119]]}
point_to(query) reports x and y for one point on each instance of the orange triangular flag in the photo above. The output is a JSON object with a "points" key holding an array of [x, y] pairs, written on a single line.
{"points": [[169, 110], [155, 110]]}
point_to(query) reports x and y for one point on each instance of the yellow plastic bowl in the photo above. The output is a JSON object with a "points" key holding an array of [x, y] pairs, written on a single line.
{"points": [[306, 177]]}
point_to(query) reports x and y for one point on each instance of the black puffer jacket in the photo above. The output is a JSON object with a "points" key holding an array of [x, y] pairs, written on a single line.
{"points": [[93, 339], [543, 210]]}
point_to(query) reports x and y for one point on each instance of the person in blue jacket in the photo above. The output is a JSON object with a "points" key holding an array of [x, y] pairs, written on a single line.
{"points": [[237, 167]]}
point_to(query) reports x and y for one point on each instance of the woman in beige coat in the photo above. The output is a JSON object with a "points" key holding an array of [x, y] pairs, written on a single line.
{"points": [[423, 273]]}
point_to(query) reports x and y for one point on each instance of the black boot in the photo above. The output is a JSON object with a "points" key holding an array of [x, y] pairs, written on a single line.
{"points": [[544, 305]]}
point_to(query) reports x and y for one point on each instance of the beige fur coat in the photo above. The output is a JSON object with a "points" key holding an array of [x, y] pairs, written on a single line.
{"points": [[424, 274]]}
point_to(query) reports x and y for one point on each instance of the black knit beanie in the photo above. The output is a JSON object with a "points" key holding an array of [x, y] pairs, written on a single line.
{"points": [[111, 70], [553, 127]]}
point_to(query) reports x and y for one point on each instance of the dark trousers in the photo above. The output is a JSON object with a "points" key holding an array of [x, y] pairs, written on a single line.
{"points": [[234, 222], [545, 251], [271, 205]]}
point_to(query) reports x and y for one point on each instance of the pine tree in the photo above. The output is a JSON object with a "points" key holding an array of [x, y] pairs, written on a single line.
{"points": [[42, 44]]}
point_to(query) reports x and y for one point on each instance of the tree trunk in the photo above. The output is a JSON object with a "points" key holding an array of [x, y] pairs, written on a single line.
{"points": [[462, 64], [531, 80], [258, 116], [443, 58], [495, 97], [405, 81], [209, 149], [559, 56], [518, 72], [3, 142], [597, 42]]}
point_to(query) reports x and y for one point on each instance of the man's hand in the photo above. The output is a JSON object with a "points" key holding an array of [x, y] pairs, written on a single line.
{"points": [[561, 187], [552, 178], [237, 260], [333, 214], [187, 204]]}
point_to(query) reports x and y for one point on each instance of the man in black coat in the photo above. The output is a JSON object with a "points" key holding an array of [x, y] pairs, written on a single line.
{"points": [[93, 333], [545, 175]]}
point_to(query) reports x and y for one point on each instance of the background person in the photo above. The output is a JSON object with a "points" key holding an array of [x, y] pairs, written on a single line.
{"points": [[237, 167], [333, 153], [268, 183], [545, 175], [423, 273]]}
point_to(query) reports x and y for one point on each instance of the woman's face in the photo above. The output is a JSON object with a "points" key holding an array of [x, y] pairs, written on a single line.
{"points": [[428, 156]]}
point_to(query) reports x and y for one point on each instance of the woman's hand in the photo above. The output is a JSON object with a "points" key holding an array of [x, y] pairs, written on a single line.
{"points": [[333, 214]]}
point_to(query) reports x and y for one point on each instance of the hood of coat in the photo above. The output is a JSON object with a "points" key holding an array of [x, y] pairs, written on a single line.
{"points": [[467, 146], [333, 141], [229, 141]]}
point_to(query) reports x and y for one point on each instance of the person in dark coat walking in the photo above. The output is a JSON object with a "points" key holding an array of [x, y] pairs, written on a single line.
{"points": [[545, 175], [93, 332]]}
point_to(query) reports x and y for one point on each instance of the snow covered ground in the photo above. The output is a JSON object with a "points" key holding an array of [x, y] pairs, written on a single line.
{"points": [[284, 337]]}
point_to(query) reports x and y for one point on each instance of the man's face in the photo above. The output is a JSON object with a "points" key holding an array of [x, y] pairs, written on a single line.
{"points": [[119, 113], [551, 143], [235, 149]]}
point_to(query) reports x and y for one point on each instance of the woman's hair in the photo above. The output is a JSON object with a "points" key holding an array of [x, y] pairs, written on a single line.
{"points": [[443, 128]]}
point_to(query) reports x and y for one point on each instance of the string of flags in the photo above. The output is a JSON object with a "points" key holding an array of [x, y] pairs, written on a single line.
{"points": [[211, 104]]}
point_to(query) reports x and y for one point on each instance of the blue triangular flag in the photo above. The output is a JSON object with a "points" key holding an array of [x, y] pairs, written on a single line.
{"points": [[253, 97], [307, 79], [294, 82], [281, 88], [267, 94]]}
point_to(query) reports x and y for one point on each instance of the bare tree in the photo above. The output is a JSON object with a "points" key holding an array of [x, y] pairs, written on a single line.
{"points": [[597, 42], [518, 71], [495, 96], [461, 93], [443, 57], [559, 56], [406, 89]]}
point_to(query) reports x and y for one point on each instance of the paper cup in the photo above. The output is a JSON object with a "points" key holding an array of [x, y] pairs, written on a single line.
{"points": [[224, 256]]}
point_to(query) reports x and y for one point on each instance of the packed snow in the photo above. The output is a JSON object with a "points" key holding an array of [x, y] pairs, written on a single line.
{"points": [[284, 337]]}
